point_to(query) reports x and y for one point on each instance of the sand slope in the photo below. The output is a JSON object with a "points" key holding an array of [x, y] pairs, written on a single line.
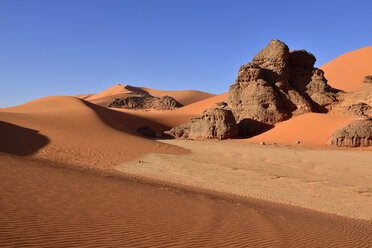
{"points": [[312, 129], [347, 71], [183, 96], [198, 107], [77, 132]]}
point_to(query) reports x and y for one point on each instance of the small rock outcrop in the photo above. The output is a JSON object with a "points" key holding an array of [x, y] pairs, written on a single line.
{"points": [[355, 134], [367, 79], [145, 101], [214, 123]]}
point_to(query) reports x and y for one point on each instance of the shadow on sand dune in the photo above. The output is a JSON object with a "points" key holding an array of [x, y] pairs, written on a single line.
{"points": [[124, 122], [19, 140]]}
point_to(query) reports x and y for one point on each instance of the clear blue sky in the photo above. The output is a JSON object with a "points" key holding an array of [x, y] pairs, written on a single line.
{"points": [[67, 47]]}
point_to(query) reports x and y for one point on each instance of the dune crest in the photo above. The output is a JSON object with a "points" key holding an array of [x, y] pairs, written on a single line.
{"points": [[103, 98], [347, 71]]}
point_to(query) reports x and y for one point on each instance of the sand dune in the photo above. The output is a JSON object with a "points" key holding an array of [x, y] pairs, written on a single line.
{"points": [[198, 107], [183, 96], [45, 205], [83, 96], [78, 132], [312, 129], [347, 71]]}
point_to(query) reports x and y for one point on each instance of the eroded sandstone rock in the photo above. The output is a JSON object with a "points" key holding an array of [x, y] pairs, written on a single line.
{"points": [[214, 123], [356, 133], [277, 84], [145, 101]]}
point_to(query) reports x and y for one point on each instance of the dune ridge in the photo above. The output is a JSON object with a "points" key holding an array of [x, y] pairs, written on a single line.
{"points": [[83, 133], [346, 72], [103, 98]]}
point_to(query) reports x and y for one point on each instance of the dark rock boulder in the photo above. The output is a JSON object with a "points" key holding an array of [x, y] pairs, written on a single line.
{"points": [[145, 101], [356, 133], [213, 123], [367, 79]]}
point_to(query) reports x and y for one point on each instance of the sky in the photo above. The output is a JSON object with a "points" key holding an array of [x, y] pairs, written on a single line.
{"points": [[69, 47]]}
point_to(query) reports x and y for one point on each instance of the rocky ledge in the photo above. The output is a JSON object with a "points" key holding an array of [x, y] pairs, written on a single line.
{"points": [[145, 102]]}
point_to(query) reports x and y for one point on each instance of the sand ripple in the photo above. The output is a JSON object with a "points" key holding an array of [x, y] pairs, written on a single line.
{"points": [[49, 206]]}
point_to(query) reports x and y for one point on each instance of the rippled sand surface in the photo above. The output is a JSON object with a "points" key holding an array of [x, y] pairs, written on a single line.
{"points": [[44, 205]]}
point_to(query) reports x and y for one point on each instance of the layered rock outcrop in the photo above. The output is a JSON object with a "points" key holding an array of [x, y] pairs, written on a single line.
{"points": [[145, 101], [277, 84], [355, 134], [214, 123], [357, 103]]}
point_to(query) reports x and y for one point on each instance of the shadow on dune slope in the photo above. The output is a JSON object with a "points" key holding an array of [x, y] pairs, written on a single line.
{"points": [[19, 140], [124, 122]]}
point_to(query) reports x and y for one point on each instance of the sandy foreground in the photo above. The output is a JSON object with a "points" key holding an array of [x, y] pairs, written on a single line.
{"points": [[332, 181], [50, 205]]}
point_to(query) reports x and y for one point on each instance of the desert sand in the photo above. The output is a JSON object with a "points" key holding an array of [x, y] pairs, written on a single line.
{"points": [[311, 129], [72, 131], [347, 71], [48, 205], [333, 181], [75, 173]]}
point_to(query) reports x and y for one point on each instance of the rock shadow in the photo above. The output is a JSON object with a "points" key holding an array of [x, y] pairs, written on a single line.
{"points": [[136, 90], [19, 140], [249, 128]]}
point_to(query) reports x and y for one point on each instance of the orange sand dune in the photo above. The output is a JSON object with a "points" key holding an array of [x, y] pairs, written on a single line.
{"points": [[198, 107], [309, 129], [69, 130], [347, 71], [183, 96], [83, 96]]}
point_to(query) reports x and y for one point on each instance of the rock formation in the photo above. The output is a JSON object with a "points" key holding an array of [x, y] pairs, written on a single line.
{"points": [[214, 123], [277, 84], [355, 134], [359, 104], [145, 101]]}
